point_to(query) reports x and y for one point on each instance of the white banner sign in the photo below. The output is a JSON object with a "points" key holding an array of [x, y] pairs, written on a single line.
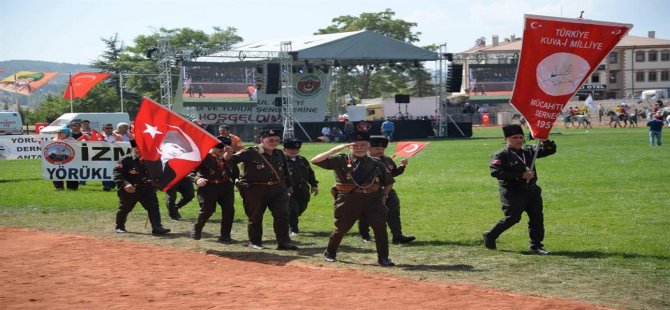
{"points": [[22, 146], [81, 161], [310, 98]]}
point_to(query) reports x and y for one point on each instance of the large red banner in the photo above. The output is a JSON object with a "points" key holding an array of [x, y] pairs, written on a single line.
{"points": [[171, 146], [557, 56], [81, 83]]}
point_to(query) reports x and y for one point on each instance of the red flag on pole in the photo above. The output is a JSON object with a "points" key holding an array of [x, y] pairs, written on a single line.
{"points": [[557, 56], [94, 136], [171, 146], [81, 83], [409, 149]]}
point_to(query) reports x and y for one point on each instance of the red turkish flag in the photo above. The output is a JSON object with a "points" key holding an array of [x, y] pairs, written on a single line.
{"points": [[81, 83], [171, 146], [409, 149], [93, 137], [557, 56]]}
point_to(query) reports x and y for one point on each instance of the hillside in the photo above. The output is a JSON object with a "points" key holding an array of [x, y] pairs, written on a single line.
{"points": [[55, 86]]}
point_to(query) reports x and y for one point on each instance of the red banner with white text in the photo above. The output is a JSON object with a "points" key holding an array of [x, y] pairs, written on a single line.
{"points": [[557, 56]]}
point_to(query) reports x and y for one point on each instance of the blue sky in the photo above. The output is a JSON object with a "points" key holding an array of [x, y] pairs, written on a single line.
{"points": [[70, 31]]}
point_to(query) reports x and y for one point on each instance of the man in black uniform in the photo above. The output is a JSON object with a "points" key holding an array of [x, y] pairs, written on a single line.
{"points": [[265, 184], [378, 145], [215, 185], [303, 180], [134, 185], [185, 188], [518, 189], [361, 188]]}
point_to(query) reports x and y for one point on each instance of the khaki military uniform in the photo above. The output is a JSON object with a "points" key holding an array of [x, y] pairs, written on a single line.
{"points": [[358, 194], [263, 188], [392, 203]]}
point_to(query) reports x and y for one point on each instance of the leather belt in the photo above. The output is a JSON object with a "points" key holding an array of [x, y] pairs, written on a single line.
{"points": [[217, 181], [268, 183], [351, 188], [366, 190]]}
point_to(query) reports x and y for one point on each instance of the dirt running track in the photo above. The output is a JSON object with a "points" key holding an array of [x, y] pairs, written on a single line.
{"points": [[58, 271]]}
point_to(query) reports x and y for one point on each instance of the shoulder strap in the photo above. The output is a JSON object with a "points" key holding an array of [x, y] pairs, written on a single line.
{"points": [[269, 164]]}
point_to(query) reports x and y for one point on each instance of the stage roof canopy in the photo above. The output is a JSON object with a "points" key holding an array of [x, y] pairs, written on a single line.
{"points": [[356, 47]]}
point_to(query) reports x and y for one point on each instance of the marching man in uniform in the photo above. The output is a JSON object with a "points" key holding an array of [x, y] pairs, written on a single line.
{"points": [[304, 182], [215, 185], [361, 189], [378, 145], [518, 189], [134, 185], [265, 183]]}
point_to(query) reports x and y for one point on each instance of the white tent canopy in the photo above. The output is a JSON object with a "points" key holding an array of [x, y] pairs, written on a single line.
{"points": [[356, 47]]}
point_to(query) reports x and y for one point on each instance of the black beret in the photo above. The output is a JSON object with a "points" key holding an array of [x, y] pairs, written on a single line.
{"points": [[270, 133], [359, 136], [511, 130], [379, 141], [133, 143], [225, 141], [293, 143]]}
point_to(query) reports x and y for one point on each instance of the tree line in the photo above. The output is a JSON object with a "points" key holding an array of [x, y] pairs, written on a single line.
{"points": [[350, 84]]}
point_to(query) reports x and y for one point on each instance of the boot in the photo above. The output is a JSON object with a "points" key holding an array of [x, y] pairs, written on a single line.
{"points": [[196, 233]]}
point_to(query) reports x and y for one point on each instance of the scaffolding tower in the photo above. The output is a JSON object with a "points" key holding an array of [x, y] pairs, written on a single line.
{"points": [[165, 58], [286, 80], [441, 92]]}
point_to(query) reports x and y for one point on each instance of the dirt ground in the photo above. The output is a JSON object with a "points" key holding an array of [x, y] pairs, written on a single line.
{"points": [[58, 271]]}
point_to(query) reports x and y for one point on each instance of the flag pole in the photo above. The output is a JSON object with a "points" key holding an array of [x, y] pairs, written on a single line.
{"points": [[121, 89], [71, 94], [16, 90], [537, 150]]}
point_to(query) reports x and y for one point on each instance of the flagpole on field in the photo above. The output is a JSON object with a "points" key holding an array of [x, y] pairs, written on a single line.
{"points": [[71, 94]]}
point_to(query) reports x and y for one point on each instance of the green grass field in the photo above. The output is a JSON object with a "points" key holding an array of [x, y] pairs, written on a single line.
{"points": [[607, 216]]}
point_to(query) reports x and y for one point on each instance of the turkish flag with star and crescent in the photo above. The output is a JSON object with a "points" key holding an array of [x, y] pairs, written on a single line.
{"points": [[171, 146], [409, 149], [557, 56], [81, 83]]}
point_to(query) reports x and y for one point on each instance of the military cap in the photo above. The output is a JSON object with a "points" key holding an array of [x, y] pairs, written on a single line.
{"points": [[293, 143], [270, 133], [359, 136], [133, 143], [511, 130], [379, 141]]}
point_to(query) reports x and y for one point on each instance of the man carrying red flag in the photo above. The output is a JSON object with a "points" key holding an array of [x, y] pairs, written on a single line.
{"points": [[514, 168], [134, 185], [378, 146], [171, 145]]}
